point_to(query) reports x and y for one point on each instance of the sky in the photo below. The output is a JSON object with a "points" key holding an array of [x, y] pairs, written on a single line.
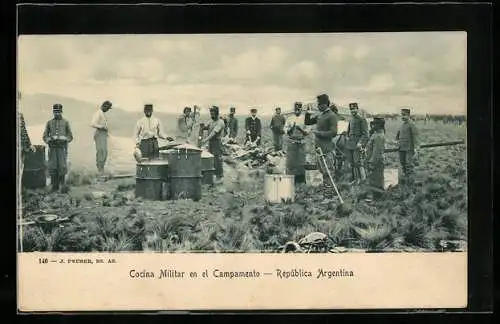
{"points": [[383, 72]]}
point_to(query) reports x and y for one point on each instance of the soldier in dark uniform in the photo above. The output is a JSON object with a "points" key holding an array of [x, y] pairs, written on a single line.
{"points": [[57, 135], [326, 130], [232, 124], [408, 145], [253, 128], [215, 130], [277, 127], [357, 137]]}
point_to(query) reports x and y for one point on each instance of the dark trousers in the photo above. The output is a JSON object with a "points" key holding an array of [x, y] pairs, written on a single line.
{"points": [[58, 167], [295, 160], [329, 159], [406, 161], [149, 148], [278, 141], [215, 147]]}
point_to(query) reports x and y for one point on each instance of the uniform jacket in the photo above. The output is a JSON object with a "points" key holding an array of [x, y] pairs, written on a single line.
{"points": [[357, 132], [407, 136], [326, 129], [277, 124], [57, 127], [254, 126], [232, 126]]}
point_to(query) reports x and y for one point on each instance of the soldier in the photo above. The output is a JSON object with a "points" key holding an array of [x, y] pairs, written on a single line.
{"points": [[57, 136], [253, 128], [214, 138], [357, 137], [408, 145], [326, 130], [185, 124], [296, 130], [25, 145], [375, 158], [147, 131], [100, 123], [232, 124], [277, 127]]}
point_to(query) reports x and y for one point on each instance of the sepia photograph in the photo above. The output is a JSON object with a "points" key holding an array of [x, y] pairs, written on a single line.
{"points": [[243, 143]]}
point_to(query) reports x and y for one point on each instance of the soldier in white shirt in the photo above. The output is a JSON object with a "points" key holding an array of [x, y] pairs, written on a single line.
{"points": [[148, 130], [100, 123], [296, 130]]}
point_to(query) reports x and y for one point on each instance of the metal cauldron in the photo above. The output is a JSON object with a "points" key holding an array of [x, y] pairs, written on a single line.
{"points": [[151, 180], [185, 174], [34, 172], [207, 167]]}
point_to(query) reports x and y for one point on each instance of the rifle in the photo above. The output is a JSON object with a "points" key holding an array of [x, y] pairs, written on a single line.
{"points": [[390, 150]]}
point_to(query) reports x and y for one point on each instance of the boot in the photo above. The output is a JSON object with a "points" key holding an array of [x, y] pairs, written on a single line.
{"points": [[62, 184]]}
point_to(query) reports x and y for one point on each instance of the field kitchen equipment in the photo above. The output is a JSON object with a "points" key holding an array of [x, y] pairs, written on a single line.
{"points": [[185, 175], [152, 181], [34, 173], [207, 168], [279, 188]]}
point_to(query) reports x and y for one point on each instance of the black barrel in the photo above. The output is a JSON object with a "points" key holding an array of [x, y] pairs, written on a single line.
{"points": [[151, 181], [35, 170], [207, 168], [185, 174]]}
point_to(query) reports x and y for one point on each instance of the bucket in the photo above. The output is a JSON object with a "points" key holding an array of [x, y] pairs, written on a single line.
{"points": [[391, 178], [279, 187], [34, 172], [185, 171], [152, 180]]}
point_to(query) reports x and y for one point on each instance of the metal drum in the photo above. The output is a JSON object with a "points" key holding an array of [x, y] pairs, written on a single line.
{"points": [[279, 188], [35, 171], [207, 167], [185, 175], [151, 181]]}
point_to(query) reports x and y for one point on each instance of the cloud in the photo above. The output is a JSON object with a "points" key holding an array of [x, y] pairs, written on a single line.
{"points": [[381, 83], [334, 54]]}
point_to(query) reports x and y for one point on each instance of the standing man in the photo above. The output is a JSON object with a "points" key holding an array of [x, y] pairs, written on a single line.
{"points": [[25, 146], [296, 130], [214, 138], [277, 127], [408, 145], [232, 124], [100, 123], [375, 158], [148, 130], [253, 128], [57, 136], [185, 124], [326, 130], [357, 137]]}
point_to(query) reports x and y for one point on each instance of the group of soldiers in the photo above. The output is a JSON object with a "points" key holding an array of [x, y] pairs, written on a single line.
{"points": [[362, 148]]}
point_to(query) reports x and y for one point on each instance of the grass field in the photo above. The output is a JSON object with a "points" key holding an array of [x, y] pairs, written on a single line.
{"points": [[234, 217]]}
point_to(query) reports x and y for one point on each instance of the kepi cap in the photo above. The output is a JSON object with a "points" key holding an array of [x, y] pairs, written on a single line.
{"points": [[107, 103], [353, 105], [253, 110], [57, 107], [148, 107], [323, 99], [405, 111], [232, 109]]}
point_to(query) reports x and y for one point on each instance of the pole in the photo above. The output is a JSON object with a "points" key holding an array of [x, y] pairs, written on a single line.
{"points": [[389, 150], [320, 153]]}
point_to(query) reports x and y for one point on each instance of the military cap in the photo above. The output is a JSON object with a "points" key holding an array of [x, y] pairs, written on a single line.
{"points": [[253, 110], [405, 111], [232, 109], [353, 105], [298, 104], [148, 107], [277, 108], [323, 99], [214, 108], [57, 107], [187, 109]]}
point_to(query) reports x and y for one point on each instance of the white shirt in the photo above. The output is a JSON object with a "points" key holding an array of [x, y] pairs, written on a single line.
{"points": [[99, 120], [295, 120], [148, 128]]}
